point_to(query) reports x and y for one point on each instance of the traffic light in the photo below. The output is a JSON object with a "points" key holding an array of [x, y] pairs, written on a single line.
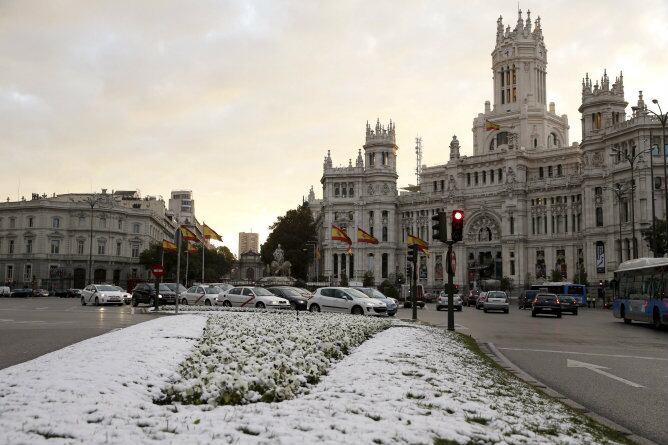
{"points": [[439, 229], [412, 254], [457, 232]]}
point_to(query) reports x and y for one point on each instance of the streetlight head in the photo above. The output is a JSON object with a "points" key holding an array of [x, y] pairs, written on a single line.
{"points": [[654, 101]]}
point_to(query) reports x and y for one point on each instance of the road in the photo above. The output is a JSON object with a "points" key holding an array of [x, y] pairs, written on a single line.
{"points": [[30, 327], [616, 370]]}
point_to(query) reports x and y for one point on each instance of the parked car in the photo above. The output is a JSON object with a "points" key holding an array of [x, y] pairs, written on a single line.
{"points": [[170, 289], [429, 297], [391, 303], [127, 297], [480, 301], [546, 304], [472, 297], [346, 300], [201, 294], [98, 294], [73, 293], [253, 296], [526, 299], [568, 304], [145, 293], [5, 291], [496, 300], [224, 287], [21, 293], [442, 301], [297, 300], [41, 293], [304, 292]]}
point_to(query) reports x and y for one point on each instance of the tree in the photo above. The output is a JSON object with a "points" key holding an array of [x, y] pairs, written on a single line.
{"points": [[507, 284], [388, 289], [555, 275], [580, 276], [655, 236], [369, 280], [344, 279], [528, 281], [292, 231]]}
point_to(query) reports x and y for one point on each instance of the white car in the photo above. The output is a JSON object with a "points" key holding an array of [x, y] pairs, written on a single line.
{"points": [[253, 296], [346, 300], [442, 301], [98, 294], [200, 294], [127, 297], [496, 300]]}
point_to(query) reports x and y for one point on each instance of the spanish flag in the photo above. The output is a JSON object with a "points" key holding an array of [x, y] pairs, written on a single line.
{"points": [[338, 234], [209, 233], [363, 237], [491, 126], [187, 234], [192, 248], [168, 245], [421, 244]]}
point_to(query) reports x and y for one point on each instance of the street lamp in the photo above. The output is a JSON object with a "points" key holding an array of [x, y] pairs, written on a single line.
{"points": [[313, 244], [663, 118], [94, 200], [619, 190], [632, 158]]}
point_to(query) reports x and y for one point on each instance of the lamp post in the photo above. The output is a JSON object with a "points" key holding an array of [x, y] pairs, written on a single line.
{"points": [[619, 190], [313, 244], [94, 200], [663, 118], [631, 158]]}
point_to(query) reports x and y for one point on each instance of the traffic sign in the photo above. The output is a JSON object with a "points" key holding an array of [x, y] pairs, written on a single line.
{"points": [[157, 270]]}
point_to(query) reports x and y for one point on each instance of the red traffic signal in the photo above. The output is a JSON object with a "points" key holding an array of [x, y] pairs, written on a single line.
{"points": [[457, 231]]}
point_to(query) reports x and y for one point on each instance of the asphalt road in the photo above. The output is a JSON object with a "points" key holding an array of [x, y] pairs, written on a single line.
{"points": [[616, 370], [30, 327]]}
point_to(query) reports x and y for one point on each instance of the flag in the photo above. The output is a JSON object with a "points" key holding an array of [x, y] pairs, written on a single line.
{"points": [[209, 233], [339, 234], [421, 244], [168, 245], [192, 248], [187, 234], [492, 126], [363, 237]]}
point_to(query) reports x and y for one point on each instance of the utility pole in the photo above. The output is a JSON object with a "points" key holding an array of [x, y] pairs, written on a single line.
{"points": [[663, 119], [94, 200], [412, 259]]}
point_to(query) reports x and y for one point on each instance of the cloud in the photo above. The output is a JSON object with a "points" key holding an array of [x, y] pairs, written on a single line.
{"points": [[239, 101]]}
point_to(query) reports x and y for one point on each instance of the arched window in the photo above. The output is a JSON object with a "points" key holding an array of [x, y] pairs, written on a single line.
{"points": [[250, 274], [535, 143], [502, 138], [492, 145], [553, 140]]}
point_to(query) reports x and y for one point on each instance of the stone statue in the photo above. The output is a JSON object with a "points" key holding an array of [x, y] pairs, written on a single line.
{"points": [[279, 267]]}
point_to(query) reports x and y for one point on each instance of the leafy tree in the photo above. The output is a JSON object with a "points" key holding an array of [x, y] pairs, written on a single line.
{"points": [[369, 280], [555, 275], [292, 231], [344, 280], [217, 262], [507, 284], [388, 289], [655, 236], [580, 276]]}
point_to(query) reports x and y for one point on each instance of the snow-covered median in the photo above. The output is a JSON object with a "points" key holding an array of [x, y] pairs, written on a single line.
{"points": [[249, 356], [404, 385]]}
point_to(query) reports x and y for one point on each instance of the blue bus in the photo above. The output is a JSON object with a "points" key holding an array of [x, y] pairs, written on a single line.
{"points": [[640, 291], [577, 291]]}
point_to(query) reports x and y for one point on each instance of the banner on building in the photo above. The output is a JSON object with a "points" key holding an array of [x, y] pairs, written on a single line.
{"points": [[438, 268], [600, 257]]}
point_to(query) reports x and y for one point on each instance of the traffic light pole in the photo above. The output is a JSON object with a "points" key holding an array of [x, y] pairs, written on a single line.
{"points": [[451, 273], [414, 284]]}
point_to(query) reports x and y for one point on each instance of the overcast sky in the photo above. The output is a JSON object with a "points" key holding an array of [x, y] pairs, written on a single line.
{"points": [[239, 101]]}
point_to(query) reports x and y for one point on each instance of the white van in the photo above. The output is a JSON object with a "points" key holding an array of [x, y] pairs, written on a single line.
{"points": [[5, 291]]}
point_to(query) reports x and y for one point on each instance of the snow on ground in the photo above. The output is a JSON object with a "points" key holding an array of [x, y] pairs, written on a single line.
{"points": [[405, 385]]}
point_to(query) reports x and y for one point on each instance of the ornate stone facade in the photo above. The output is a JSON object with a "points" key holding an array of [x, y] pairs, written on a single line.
{"points": [[533, 202]]}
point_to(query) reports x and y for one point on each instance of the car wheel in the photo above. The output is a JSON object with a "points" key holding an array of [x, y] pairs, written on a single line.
{"points": [[293, 306], [559, 315], [575, 312], [484, 310], [506, 311], [459, 309], [227, 303], [314, 308], [656, 319], [207, 302], [356, 310], [151, 301], [533, 314], [622, 313], [260, 305], [135, 302], [438, 308], [83, 301], [97, 301]]}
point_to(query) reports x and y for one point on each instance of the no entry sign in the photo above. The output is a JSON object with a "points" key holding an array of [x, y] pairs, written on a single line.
{"points": [[157, 270]]}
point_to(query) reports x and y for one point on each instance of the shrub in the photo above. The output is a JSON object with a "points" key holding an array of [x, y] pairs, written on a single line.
{"points": [[369, 279]]}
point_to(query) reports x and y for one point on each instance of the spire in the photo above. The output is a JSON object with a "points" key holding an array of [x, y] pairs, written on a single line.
{"points": [[359, 162], [527, 25], [520, 23], [311, 195], [328, 160], [499, 29]]}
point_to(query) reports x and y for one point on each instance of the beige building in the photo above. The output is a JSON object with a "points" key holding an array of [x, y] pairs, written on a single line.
{"points": [[47, 242], [182, 206], [534, 202], [248, 242]]}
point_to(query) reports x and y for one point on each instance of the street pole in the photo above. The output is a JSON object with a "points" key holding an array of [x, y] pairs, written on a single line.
{"points": [[451, 273], [177, 239], [90, 250], [663, 118], [414, 284], [633, 212], [651, 169]]}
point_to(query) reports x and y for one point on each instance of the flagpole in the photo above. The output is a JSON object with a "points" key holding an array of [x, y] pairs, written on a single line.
{"points": [[204, 240], [162, 261], [187, 260]]}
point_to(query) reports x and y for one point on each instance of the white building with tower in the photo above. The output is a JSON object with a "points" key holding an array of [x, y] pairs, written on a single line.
{"points": [[533, 201]]}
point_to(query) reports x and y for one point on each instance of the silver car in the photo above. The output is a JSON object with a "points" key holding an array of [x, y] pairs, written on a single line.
{"points": [[98, 294], [200, 294], [496, 300], [252, 296], [442, 301]]}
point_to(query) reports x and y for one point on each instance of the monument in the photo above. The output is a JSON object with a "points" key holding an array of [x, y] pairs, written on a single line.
{"points": [[278, 272]]}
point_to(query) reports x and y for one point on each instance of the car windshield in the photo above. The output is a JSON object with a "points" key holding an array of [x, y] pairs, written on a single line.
{"points": [[164, 288], [172, 287], [107, 288], [301, 291], [546, 297], [356, 293], [262, 292], [115, 287], [377, 294], [213, 290], [496, 295], [290, 292]]}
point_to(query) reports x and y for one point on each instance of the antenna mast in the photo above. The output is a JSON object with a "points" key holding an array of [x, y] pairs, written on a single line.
{"points": [[418, 158]]}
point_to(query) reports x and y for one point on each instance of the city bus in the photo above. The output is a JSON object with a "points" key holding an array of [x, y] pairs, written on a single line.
{"points": [[640, 291], [577, 291]]}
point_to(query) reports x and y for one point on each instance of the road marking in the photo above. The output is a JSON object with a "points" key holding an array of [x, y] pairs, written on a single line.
{"points": [[600, 370], [585, 353]]}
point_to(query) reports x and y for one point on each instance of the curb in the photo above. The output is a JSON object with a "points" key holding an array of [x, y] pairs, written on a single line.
{"points": [[493, 353]]}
